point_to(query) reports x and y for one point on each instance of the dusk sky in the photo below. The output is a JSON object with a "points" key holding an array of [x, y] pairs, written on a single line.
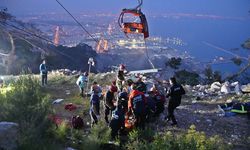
{"points": [[217, 7]]}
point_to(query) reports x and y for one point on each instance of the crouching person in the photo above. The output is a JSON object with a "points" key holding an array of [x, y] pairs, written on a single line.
{"points": [[117, 123], [94, 108]]}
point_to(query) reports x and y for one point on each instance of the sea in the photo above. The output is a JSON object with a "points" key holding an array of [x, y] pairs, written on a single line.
{"points": [[207, 38]]}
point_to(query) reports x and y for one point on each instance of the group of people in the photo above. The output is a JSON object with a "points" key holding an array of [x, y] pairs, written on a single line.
{"points": [[128, 104]]}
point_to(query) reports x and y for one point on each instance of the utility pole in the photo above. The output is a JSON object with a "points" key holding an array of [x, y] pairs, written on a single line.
{"points": [[90, 63]]}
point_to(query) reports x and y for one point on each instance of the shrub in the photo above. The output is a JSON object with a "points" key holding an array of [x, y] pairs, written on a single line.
{"points": [[27, 105], [192, 140], [140, 139]]}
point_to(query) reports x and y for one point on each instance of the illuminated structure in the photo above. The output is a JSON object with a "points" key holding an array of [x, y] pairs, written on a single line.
{"points": [[102, 46], [56, 38]]}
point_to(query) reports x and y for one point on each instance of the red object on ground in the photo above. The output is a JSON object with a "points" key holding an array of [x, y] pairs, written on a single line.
{"points": [[70, 107]]}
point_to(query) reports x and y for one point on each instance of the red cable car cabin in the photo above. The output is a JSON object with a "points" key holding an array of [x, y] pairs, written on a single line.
{"points": [[134, 27]]}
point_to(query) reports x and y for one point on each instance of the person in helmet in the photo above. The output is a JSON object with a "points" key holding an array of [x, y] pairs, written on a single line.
{"points": [[109, 100], [137, 106], [174, 94], [82, 82]]}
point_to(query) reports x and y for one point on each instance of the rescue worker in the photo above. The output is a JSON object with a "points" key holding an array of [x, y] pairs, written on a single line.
{"points": [[117, 123], [81, 82], [141, 86], [159, 100], [123, 99], [43, 72], [109, 102], [94, 106], [137, 106], [120, 77], [174, 93]]}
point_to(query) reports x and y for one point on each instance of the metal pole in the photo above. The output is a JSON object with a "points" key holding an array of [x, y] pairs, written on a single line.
{"points": [[90, 62], [88, 78]]}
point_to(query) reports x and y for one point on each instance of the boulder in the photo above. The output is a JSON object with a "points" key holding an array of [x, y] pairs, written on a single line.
{"points": [[216, 86], [225, 88], [245, 88], [236, 86], [8, 135]]}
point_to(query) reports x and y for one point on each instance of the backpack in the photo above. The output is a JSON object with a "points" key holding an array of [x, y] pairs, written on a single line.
{"points": [[77, 122]]}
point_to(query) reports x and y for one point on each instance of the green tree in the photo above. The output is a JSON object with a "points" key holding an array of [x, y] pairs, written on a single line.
{"points": [[211, 76], [208, 72]]}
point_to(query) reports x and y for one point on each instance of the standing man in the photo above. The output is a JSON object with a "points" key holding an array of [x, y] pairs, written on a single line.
{"points": [[43, 72], [109, 102], [174, 93], [94, 108]]}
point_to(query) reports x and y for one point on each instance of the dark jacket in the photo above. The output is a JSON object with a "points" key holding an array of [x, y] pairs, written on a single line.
{"points": [[95, 104], [175, 93], [109, 97], [121, 75]]}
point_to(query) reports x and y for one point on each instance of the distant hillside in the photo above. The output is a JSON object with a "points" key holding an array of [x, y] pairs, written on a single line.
{"points": [[21, 51]]}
